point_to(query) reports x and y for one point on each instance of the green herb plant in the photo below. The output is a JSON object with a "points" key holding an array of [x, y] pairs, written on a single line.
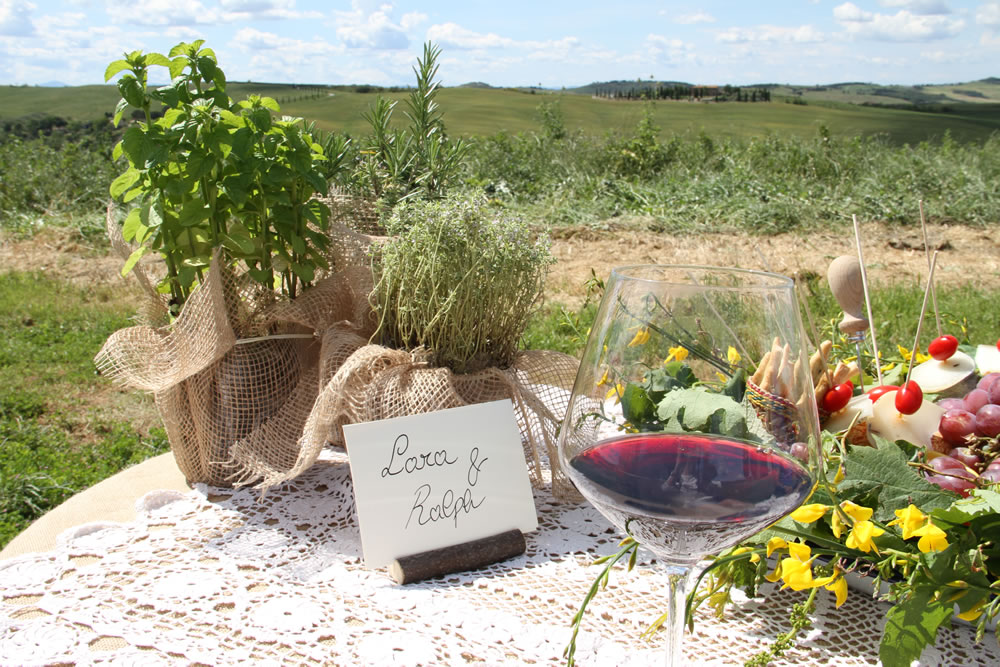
{"points": [[206, 174], [460, 279], [419, 160]]}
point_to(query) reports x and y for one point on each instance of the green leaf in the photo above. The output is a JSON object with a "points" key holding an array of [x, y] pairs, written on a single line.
{"points": [[157, 59], [270, 103], [982, 502], [207, 67], [636, 406], [114, 68], [882, 473], [305, 272], [132, 225], [194, 213], [120, 111], [124, 182], [133, 258], [240, 244], [911, 625], [131, 90], [698, 409]]}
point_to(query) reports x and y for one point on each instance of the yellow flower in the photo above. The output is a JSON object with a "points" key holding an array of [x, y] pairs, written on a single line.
{"points": [[732, 356], [854, 511], [774, 544], [641, 337], [810, 513], [906, 354], [604, 379], [974, 612], [615, 392], [678, 353], [861, 536], [910, 519], [796, 569], [931, 537], [836, 583], [754, 558]]}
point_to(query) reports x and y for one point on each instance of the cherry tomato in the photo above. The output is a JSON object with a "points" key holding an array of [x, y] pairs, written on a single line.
{"points": [[943, 347], [879, 391], [909, 398], [998, 343], [837, 397]]}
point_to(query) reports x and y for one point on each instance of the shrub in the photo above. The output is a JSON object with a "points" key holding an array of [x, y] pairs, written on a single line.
{"points": [[459, 279]]}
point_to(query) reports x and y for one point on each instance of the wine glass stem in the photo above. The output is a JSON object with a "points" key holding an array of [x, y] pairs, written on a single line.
{"points": [[679, 579]]}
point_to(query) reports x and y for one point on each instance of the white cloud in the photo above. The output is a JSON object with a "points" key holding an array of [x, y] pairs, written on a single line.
{"points": [[455, 36], [163, 13], [921, 7], [989, 14], [694, 17], [15, 18], [370, 26], [903, 26], [771, 33]]}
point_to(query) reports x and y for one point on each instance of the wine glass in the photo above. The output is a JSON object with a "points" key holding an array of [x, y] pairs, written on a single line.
{"points": [[693, 424]]}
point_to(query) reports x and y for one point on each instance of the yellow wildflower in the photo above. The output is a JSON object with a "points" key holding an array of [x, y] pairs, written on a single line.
{"points": [[910, 519], [774, 544], [678, 353], [810, 513], [754, 558], [604, 379], [732, 356], [861, 536], [854, 511], [835, 583], [906, 354], [974, 612], [615, 392], [641, 337], [796, 569], [931, 537]]}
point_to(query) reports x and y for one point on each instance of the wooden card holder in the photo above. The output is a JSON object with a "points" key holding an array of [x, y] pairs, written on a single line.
{"points": [[458, 558]]}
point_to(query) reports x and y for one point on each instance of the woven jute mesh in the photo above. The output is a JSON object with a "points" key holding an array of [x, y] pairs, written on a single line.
{"points": [[376, 383], [251, 389], [236, 375]]}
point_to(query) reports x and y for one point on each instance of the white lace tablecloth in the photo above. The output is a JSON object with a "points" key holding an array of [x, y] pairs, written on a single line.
{"points": [[218, 577]]}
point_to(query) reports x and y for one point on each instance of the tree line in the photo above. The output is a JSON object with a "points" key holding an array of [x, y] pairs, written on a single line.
{"points": [[725, 93]]}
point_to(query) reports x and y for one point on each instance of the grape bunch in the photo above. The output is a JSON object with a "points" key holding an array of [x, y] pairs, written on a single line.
{"points": [[969, 436]]}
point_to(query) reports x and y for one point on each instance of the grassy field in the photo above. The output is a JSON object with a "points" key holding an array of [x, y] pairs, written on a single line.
{"points": [[485, 111]]}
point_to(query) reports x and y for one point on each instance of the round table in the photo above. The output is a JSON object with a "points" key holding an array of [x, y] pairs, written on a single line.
{"points": [[220, 576]]}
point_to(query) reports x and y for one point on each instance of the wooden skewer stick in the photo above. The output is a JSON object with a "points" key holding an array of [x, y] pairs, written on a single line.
{"points": [[868, 300], [923, 310], [927, 252]]}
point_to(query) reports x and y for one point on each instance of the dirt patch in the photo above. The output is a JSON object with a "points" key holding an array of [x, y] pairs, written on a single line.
{"points": [[968, 255]]}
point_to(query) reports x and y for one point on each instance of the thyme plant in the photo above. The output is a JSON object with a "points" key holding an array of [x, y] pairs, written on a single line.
{"points": [[460, 279]]}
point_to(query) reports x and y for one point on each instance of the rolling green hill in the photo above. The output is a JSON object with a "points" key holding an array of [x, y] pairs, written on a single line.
{"points": [[483, 111]]}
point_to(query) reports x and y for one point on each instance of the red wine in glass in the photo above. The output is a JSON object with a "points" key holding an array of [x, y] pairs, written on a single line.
{"points": [[689, 494]]}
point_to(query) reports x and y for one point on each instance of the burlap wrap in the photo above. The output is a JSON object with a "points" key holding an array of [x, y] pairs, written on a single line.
{"points": [[251, 389], [376, 382], [236, 375]]}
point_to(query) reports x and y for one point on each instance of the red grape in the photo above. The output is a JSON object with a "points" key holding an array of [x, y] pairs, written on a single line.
{"points": [[943, 347], [991, 475], [952, 403], [949, 465], [995, 393], [976, 399], [959, 486], [987, 381], [837, 397], [956, 426], [909, 398], [994, 465], [800, 451], [966, 456], [988, 421]]}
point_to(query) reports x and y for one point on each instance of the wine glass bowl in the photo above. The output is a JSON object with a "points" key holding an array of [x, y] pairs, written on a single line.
{"points": [[692, 424]]}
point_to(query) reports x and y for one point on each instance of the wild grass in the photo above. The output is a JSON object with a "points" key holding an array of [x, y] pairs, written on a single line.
{"points": [[55, 439]]}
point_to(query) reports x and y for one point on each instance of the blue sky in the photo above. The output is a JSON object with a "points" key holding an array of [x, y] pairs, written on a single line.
{"points": [[515, 42]]}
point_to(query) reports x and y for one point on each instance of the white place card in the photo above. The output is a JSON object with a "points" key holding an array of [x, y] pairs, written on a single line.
{"points": [[437, 479]]}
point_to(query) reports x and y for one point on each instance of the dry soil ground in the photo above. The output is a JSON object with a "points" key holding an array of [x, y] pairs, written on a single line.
{"points": [[968, 254]]}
